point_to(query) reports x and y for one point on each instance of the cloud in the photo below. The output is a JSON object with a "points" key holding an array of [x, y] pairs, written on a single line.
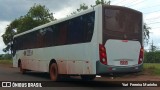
{"points": [[63, 13], [152, 15], [11, 9]]}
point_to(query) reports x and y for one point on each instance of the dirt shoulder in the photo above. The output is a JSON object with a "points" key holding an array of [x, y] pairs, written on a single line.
{"points": [[6, 65], [145, 75], [134, 78]]}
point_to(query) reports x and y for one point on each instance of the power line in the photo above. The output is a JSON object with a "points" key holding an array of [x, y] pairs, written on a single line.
{"points": [[131, 2], [152, 12], [136, 3], [150, 6], [153, 18], [113, 1], [153, 23], [120, 1], [155, 27]]}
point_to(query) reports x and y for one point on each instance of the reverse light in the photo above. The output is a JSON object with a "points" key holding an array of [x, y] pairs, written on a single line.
{"points": [[141, 56]]}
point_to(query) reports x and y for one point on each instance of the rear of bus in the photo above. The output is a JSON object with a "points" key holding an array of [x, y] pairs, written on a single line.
{"points": [[121, 49]]}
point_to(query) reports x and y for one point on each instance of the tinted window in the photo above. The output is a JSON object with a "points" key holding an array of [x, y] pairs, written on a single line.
{"points": [[62, 34], [76, 30], [122, 23], [81, 28], [48, 37]]}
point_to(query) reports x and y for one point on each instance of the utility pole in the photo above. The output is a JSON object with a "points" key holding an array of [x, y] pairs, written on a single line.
{"points": [[152, 47]]}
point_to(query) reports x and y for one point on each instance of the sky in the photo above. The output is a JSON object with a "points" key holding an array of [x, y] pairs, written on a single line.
{"points": [[12, 9]]}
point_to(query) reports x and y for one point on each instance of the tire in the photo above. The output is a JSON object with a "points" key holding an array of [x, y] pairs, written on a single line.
{"points": [[23, 71], [88, 77], [53, 71]]}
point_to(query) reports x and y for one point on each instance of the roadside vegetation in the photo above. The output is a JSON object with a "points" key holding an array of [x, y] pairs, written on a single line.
{"points": [[6, 61], [151, 68], [151, 64]]}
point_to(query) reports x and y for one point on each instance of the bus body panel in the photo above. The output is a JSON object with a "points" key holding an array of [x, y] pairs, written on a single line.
{"points": [[83, 58], [122, 38], [122, 52], [122, 57], [71, 59], [106, 69]]}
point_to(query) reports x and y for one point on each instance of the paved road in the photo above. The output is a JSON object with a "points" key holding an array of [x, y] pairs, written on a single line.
{"points": [[7, 73]]}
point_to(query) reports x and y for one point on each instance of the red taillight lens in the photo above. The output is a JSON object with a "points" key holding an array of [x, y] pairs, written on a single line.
{"points": [[141, 55], [102, 54]]}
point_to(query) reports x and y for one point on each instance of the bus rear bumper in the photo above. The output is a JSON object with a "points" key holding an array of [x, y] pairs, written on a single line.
{"points": [[106, 69]]}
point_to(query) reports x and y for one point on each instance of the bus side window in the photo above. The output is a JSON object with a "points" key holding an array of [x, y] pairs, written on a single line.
{"points": [[80, 30], [33, 39], [20, 43], [62, 38], [48, 37], [40, 38], [55, 34], [71, 32], [75, 31], [90, 25]]}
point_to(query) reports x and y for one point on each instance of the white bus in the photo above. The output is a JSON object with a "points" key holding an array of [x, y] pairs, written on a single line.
{"points": [[100, 40]]}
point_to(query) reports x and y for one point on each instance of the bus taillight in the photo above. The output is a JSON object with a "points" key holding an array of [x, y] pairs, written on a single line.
{"points": [[141, 54], [102, 54]]}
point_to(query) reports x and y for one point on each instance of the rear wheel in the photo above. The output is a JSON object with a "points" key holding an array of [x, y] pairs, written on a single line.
{"points": [[88, 77], [53, 71], [23, 71]]}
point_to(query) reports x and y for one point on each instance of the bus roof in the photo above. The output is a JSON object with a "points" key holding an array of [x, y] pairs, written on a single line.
{"points": [[68, 18], [55, 22]]}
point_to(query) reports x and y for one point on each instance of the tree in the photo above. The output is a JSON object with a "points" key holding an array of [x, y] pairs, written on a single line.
{"points": [[82, 7], [97, 2], [37, 15], [146, 33], [100, 2], [41, 14]]}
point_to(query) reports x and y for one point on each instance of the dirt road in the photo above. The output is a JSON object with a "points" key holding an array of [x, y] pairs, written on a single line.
{"points": [[8, 73]]}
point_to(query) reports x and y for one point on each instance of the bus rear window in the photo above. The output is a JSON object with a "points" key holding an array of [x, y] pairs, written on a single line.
{"points": [[122, 23]]}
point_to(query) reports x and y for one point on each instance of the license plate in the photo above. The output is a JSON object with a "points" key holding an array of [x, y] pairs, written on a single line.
{"points": [[123, 62]]}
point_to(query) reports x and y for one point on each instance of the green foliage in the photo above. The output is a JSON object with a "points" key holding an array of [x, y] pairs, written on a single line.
{"points": [[152, 68], [40, 14], [5, 56], [82, 7], [146, 32], [100, 2], [97, 2], [37, 15], [152, 57], [6, 61]]}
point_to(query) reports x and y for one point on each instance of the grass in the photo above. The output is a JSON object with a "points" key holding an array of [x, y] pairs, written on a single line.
{"points": [[5, 61], [152, 68]]}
